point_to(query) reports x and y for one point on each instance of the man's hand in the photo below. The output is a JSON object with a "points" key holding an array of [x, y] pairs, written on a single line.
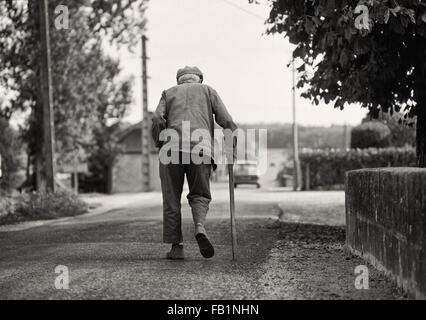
{"points": [[158, 124]]}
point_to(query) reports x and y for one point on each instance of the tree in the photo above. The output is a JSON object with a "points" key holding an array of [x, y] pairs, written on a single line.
{"points": [[382, 67], [114, 98], [10, 151], [77, 63], [315, 137]]}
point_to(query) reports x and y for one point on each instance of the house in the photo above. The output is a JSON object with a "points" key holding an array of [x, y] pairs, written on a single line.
{"points": [[127, 169]]}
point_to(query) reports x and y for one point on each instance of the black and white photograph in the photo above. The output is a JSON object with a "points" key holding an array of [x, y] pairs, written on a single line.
{"points": [[213, 158]]}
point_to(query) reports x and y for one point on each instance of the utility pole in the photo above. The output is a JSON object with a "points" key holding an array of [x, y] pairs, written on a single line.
{"points": [[145, 122], [296, 163], [47, 170], [345, 136]]}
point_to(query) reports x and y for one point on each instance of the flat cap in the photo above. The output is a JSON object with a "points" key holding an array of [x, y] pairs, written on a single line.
{"points": [[190, 70]]}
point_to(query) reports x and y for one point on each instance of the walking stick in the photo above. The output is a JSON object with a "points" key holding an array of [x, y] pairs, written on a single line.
{"points": [[232, 210]]}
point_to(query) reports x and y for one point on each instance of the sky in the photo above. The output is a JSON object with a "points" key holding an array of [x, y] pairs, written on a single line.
{"points": [[226, 40]]}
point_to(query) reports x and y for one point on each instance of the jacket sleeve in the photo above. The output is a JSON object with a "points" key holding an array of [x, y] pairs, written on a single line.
{"points": [[159, 121], [222, 116]]}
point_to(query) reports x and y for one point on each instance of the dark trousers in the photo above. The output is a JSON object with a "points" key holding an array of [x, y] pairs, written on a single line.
{"points": [[199, 197]]}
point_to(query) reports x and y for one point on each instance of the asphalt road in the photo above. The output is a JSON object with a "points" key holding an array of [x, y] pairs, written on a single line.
{"points": [[119, 254]]}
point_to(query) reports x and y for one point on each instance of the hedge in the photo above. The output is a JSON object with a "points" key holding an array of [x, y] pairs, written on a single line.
{"points": [[325, 169], [371, 134]]}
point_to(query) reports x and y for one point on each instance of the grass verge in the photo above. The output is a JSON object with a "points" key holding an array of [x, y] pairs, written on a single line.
{"points": [[41, 206]]}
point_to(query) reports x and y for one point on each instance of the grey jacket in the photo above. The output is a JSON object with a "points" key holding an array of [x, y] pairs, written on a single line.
{"points": [[197, 103]]}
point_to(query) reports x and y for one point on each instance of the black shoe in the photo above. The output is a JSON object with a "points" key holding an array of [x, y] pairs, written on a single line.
{"points": [[206, 248], [176, 253]]}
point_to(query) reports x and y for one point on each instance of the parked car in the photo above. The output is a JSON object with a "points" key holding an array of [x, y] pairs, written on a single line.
{"points": [[285, 176], [246, 172]]}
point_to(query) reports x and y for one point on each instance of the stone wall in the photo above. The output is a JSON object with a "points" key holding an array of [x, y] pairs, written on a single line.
{"points": [[386, 223]]}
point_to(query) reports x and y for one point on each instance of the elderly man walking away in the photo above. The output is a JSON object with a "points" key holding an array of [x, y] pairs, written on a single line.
{"points": [[201, 106]]}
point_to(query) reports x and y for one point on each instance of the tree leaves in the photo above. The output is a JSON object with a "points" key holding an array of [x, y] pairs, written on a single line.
{"points": [[372, 67], [87, 94], [386, 15]]}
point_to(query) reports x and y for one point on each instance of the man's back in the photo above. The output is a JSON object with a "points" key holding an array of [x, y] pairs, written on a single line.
{"points": [[189, 102], [195, 105]]}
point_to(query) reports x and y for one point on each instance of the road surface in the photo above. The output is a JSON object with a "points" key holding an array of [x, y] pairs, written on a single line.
{"points": [[116, 252]]}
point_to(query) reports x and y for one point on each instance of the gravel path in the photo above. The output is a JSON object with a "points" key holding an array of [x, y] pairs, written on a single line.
{"points": [[310, 262]]}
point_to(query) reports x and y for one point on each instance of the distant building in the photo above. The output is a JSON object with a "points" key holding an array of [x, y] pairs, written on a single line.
{"points": [[127, 169]]}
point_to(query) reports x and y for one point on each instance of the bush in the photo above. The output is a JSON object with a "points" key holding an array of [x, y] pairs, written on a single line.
{"points": [[371, 134], [41, 206], [6, 206], [327, 168]]}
